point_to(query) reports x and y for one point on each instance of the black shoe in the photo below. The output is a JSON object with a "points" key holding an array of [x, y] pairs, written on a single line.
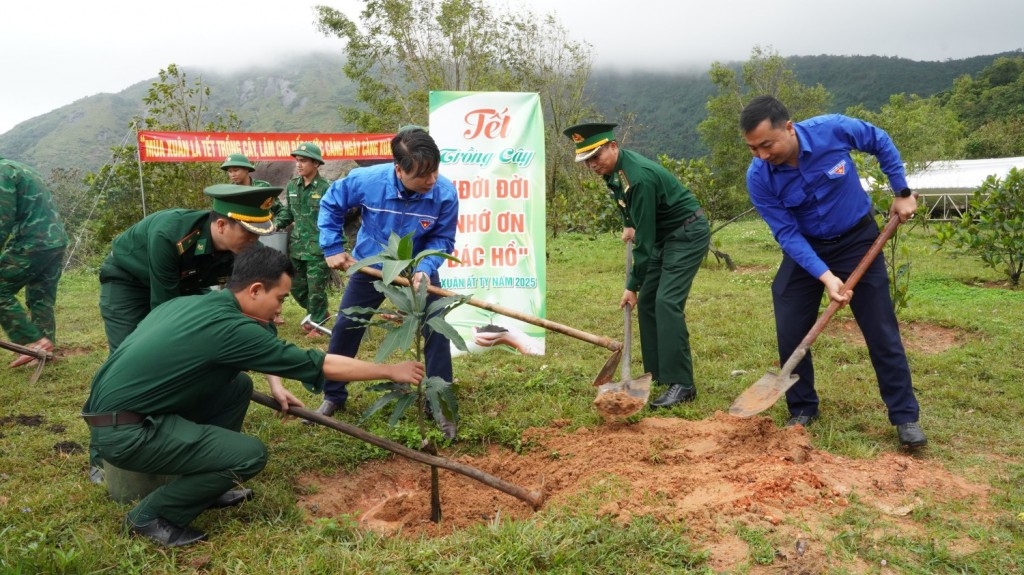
{"points": [[96, 475], [676, 393], [911, 435], [163, 532], [327, 408], [232, 497], [803, 420]]}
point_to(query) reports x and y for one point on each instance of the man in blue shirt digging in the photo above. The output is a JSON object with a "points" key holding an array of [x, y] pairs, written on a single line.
{"points": [[804, 184]]}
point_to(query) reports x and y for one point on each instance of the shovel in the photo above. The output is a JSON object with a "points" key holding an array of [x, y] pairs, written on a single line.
{"points": [[640, 388], [606, 372], [767, 390]]}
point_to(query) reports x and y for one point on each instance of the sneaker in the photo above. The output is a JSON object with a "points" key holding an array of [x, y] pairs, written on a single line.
{"points": [[911, 436], [803, 420]]}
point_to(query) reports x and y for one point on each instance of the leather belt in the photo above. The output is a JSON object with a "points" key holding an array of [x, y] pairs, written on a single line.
{"points": [[694, 217], [856, 228], [113, 418]]}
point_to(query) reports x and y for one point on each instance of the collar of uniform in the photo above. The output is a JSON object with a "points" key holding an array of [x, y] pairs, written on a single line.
{"points": [[400, 193], [204, 245]]}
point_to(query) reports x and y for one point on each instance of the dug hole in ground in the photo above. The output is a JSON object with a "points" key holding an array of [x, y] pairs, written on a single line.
{"points": [[709, 475]]}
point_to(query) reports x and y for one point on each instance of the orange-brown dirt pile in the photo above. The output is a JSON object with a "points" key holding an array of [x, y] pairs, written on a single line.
{"points": [[617, 405], [709, 474]]}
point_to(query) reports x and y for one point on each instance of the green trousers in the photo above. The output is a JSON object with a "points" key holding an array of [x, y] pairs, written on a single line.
{"points": [[122, 306], [200, 443], [309, 287], [37, 272], [661, 303]]}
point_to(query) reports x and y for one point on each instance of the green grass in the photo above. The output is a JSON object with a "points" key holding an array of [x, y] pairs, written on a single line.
{"points": [[53, 521]]}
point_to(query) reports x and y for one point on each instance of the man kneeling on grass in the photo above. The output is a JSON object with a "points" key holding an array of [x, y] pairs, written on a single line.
{"points": [[171, 399]]}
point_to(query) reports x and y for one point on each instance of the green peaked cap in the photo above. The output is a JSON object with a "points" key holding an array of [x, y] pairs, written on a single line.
{"points": [[248, 205], [589, 138], [237, 161]]}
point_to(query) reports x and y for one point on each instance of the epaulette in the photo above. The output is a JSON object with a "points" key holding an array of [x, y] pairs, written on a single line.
{"points": [[187, 242], [625, 181]]}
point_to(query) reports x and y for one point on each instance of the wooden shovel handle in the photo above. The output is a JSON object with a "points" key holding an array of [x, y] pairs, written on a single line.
{"points": [[597, 340], [805, 344]]}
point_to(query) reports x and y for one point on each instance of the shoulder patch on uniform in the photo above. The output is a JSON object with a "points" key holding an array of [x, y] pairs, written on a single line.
{"points": [[624, 180], [187, 242]]}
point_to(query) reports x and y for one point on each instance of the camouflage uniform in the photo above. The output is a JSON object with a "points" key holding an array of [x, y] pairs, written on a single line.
{"points": [[32, 242], [309, 286]]}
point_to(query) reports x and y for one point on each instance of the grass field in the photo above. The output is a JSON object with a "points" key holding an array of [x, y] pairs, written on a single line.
{"points": [[52, 520]]}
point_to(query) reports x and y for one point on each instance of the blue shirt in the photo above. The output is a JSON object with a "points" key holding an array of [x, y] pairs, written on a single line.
{"points": [[388, 207], [822, 196]]}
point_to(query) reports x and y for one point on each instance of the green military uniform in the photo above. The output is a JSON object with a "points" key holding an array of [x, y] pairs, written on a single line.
{"points": [[171, 253], [32, 242], [312, 276], [670, 242], [181, 370]]}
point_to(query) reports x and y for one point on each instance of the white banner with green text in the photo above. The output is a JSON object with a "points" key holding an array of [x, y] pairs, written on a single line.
{"points": [[492, 147]]}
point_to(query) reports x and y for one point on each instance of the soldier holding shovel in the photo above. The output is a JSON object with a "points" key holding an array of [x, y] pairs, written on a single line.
{"points": [[671, 237]]}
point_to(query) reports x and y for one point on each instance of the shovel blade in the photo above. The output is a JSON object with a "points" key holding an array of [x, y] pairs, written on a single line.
{"points": [[761, 395], [608, 371], [638, 389]]}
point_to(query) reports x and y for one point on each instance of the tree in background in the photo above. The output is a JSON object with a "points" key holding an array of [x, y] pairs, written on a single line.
{"points": [[992, 228], [174, 104], [991, 108], [399, 50], [764, 73]]}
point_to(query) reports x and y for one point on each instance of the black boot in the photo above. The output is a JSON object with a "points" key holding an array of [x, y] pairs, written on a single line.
{"points": [[676, 393], [163, 532]]}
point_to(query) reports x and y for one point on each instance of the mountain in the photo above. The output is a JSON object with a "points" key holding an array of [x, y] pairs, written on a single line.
{"points": [[296, 96], [304, 96], [669, 107]]}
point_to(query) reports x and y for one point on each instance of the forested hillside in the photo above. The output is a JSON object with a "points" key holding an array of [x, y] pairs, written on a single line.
{"points": [[663, 109]]}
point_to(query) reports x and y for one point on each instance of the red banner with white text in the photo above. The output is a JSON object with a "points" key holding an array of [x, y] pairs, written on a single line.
{"points": [[258, 147]]}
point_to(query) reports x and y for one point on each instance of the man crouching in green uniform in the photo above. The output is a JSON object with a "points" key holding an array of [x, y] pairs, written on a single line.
{"points": [[179, 252], [172, 398], [671, 237]]}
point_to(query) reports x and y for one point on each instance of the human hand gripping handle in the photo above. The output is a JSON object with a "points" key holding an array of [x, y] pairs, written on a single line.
{"points": [[340, 261]]}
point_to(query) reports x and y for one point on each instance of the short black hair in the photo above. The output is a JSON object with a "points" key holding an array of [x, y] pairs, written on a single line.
{"points": [[259, 264], [763, 108], [415, 151]]}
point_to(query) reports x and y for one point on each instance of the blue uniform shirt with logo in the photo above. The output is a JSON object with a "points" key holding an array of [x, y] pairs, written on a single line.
{"points": [[822, 196], [387, 206]]}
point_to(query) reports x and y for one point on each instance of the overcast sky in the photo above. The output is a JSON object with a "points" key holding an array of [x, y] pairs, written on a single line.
{"points": [[57, 51]]}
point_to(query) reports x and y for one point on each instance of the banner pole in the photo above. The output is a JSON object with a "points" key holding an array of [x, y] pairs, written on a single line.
{"points": [[138, 160]]}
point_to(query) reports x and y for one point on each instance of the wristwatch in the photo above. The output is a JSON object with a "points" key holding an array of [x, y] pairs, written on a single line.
{"points": [[904, 193]]}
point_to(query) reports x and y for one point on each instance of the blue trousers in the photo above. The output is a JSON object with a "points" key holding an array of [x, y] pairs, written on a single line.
{"points": [[796, 296], [347, 334]]}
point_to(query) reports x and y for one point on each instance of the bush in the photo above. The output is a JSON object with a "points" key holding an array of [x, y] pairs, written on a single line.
{"points": [[992, 228]]}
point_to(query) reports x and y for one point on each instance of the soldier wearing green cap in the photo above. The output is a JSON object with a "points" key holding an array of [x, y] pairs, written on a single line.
{"points": [[172, 399], [32, 242], [671, 237], [240, 169], [177, 252], [304, 192]]}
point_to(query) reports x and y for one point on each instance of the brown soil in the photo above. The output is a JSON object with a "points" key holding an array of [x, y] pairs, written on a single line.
{"points": [[617, 405], [708, 474], [920, 337]]}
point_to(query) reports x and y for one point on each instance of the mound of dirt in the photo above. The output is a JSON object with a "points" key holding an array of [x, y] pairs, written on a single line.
{"points": [[709, 474], [617, 405]]}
